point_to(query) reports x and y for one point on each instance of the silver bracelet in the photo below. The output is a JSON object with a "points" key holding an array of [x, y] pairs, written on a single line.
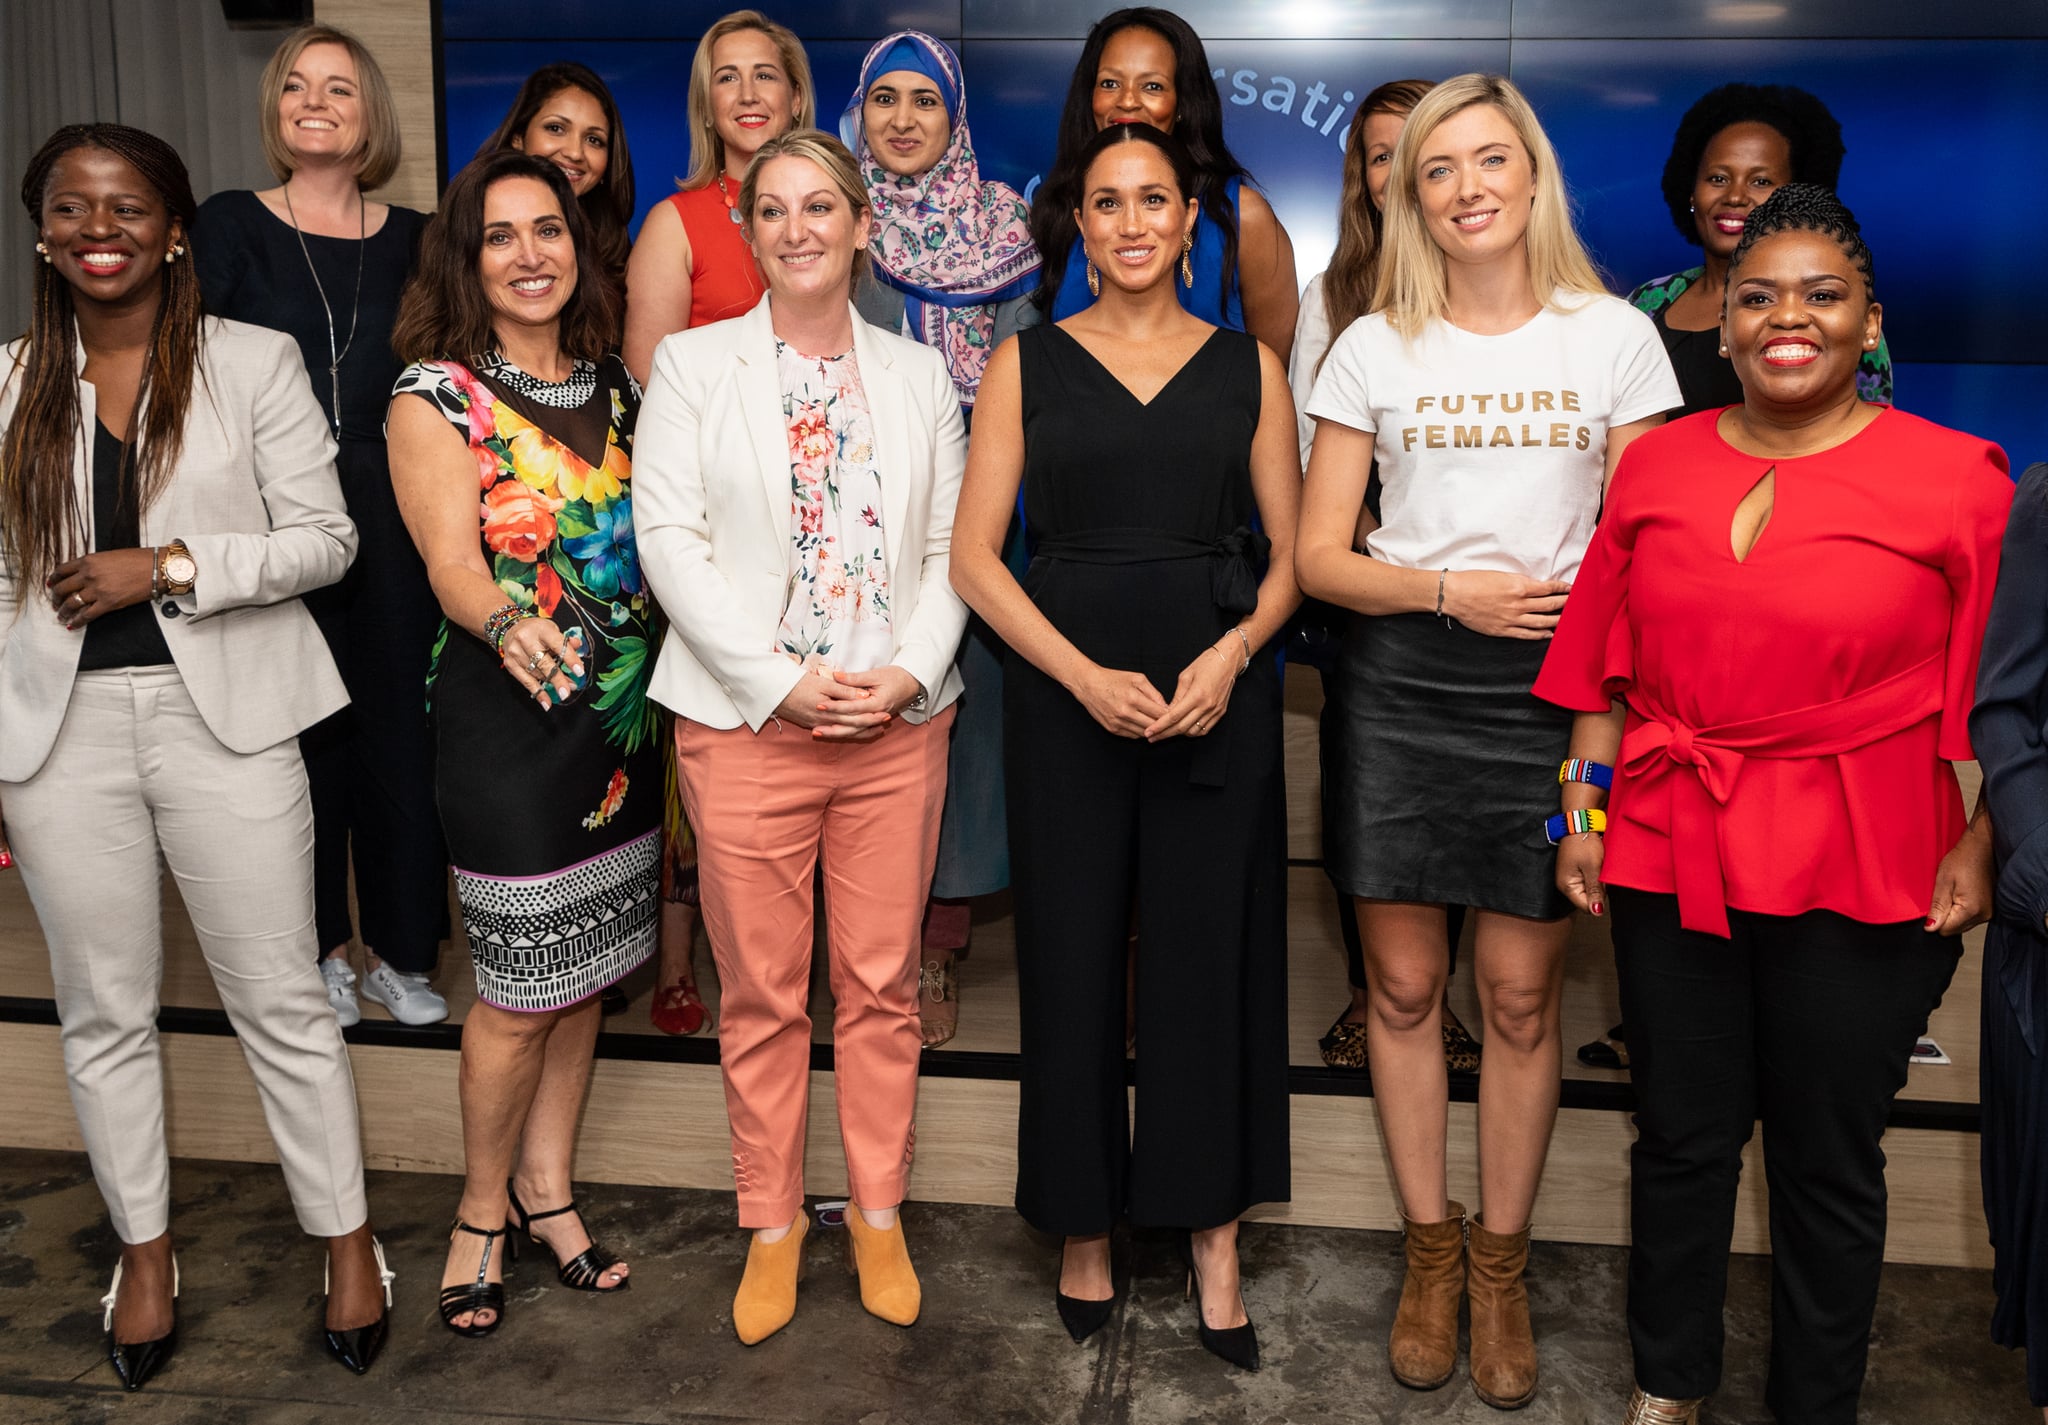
{"points": [[1238, 629], [1441, 575]]}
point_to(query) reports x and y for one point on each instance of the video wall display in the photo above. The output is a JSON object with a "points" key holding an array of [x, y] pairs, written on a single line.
{"points": [[1941, 107]]}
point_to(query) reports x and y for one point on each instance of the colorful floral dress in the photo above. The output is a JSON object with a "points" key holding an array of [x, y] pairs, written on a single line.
{"points": [[838, 611], [553, 816]]}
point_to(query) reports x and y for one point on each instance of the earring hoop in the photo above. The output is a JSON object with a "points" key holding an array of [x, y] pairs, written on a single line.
{"points": [[1187, 271], [1094, 280]]}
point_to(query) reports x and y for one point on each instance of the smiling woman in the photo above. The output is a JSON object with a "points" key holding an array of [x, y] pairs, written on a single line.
{"points": [[316, 258]]}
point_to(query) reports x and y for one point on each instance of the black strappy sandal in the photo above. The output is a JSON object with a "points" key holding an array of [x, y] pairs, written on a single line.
{"points": [[481, 1294], [581, 1272]]}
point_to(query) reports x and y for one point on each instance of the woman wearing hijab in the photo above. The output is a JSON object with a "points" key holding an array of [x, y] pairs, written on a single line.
{"points": [[953, 267]]}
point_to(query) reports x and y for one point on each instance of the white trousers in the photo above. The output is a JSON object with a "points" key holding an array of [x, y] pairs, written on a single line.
{"points": [[134, 773]]}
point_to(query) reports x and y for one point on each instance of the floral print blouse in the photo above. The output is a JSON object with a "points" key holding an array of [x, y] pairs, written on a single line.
{"points": [[838, 610]]}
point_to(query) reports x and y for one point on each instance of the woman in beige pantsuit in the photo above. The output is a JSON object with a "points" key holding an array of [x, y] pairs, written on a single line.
{"points": [[167, 491]]}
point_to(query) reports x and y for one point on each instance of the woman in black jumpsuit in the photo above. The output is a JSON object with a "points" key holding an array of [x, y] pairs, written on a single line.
{"points": [[1137, 773]]}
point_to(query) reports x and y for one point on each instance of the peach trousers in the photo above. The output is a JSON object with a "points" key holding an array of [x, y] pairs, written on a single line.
{"points": [[766, 808]]}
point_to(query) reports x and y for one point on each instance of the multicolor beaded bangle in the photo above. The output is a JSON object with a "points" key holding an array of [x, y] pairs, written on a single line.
{"points": [[500, 623], [1579, 769], [1574, 823]]}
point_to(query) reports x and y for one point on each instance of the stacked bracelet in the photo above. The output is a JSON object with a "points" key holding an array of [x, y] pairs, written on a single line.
{"points": [[1579, 769], [500, 623], [1574, 823]]}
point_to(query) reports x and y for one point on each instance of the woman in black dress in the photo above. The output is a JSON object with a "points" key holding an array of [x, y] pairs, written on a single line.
{"points": [[316, 259], [1148, 444], [548, 756]]}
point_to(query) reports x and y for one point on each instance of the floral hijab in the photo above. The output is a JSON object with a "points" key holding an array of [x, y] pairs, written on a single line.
{"points": [[954, 245]]}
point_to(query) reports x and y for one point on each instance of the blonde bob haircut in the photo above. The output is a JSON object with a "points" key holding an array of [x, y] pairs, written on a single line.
{"points": [[830, 155], [377, 155], [707, 149], [1411, 285]]}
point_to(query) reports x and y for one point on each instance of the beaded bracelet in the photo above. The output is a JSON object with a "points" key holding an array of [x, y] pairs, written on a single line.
{"points": [[500, 623], [1574, 823], [1579, 769]]}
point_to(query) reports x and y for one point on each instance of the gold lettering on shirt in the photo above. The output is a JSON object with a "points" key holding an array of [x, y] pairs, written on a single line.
{"points": [[1555, 435]]}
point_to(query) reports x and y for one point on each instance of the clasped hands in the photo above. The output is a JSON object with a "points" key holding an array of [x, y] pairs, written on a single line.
{"points": [[95, 585], [1127, 704], [835, 705]]}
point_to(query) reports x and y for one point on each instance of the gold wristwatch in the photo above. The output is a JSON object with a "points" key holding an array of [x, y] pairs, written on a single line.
{"points": [[176, 571]]}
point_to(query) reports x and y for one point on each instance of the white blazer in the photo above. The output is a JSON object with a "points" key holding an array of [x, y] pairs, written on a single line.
{"points": [[711, 512], [256, 500]]}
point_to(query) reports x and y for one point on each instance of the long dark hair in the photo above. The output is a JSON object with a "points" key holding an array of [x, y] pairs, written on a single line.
{"points": [[1186, 176], [41, 524], [1199, 126], [608, 207], [444, 312], [1354, 266]]}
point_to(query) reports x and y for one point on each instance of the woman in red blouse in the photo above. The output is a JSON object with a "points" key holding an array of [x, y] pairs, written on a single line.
{"points": [[1778, 694]]}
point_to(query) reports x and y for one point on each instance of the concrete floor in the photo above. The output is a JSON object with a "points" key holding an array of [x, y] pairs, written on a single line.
{"points": [[989, 1350]]}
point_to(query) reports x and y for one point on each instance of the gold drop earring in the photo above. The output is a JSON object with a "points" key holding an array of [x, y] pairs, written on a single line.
{"points": [[1187, 271], [43, 251], [1094, 280]]}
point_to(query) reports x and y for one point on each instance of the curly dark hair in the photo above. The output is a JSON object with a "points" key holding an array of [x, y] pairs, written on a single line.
{"points": [[1812, 133], [1199, 127], [1807, 208], [609, 206]]}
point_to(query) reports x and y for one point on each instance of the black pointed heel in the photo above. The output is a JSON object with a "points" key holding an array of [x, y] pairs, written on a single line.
{"points": [[1082, 1317], [481, 1294], [1238, 1345], [581, 1272], [136, 1362], [358, 1347]]}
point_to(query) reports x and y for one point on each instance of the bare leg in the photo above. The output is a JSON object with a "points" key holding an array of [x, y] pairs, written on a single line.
{"points": [[1406, 967], [1215, 1253], [355, 1294], [548, 1147], [1519, 974], [144, 1310], [502, 1058], [1084, 1268]]}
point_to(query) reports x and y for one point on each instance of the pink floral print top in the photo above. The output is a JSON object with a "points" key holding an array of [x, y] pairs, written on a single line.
{"points": [[838, 610]]}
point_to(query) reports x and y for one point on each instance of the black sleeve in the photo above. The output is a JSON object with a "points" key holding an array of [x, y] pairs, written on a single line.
{"points": [[2006, 727], [220, 250]]}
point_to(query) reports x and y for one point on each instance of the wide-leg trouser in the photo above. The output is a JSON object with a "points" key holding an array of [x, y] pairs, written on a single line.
{"points": [[135, 774], [767, 807], [1806, 1023]]}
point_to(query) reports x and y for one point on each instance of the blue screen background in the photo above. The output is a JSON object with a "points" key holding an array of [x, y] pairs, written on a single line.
{"points": [[1943, 108]]}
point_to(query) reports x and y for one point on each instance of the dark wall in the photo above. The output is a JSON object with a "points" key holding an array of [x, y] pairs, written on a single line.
{"points": [[1944, 106]]}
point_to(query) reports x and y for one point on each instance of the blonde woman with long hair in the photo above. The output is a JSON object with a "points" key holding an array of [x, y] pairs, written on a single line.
{"points": [[749, 83], [1496, 383]]}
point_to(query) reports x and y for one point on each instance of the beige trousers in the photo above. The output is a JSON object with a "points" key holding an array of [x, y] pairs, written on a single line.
{"points": [[136, 774]]}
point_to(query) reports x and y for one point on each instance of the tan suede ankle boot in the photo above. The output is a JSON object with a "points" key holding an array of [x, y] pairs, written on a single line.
{"points": [[1423, 1347], [1503, 1347]]}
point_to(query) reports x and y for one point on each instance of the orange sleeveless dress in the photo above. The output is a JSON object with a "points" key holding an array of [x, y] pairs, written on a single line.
{"points": [[724, 279]]}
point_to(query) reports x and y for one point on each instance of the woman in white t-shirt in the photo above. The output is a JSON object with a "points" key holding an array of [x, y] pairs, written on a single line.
{"points": [[1496, 383]]}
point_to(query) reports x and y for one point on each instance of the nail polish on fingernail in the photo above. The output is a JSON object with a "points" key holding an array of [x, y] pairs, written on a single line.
{"points": [[1599, 909]]}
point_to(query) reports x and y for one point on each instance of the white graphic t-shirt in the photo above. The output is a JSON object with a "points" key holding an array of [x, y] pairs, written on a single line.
{"points": [[1492, 449]]}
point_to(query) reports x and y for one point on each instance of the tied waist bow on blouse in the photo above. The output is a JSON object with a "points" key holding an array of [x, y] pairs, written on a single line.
{"points": [[1691, 772]]}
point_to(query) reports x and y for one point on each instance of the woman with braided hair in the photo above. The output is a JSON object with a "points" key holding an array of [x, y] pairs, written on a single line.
{"points": [[167, 494], [1774, 696]]}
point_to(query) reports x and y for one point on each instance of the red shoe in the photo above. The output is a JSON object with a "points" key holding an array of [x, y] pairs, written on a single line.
{"points": [[677, 1009]]}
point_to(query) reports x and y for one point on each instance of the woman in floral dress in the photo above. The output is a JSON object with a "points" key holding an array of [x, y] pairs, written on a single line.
{"points": [[549, 755]]}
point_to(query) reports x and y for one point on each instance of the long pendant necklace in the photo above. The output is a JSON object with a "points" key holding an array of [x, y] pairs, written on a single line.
{"points": [[334, 354], [731, 204]]}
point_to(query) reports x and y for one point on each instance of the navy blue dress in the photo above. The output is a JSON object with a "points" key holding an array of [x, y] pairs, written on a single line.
{"points": [[2009, 730]]}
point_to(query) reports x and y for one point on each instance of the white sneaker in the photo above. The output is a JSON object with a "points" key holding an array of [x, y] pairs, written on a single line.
{"points": [[410, 998], [341, 991]]}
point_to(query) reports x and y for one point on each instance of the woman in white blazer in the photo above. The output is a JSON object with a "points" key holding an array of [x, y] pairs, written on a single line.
{"points": [[795, 477], [167, 492]]}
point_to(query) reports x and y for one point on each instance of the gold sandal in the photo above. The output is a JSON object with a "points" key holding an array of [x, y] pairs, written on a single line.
{"points": [[938, 999]]}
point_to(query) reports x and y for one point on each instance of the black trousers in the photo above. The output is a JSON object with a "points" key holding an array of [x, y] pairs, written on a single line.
{"points": [[370, 767], [1095, 822], [1804, 1023]]}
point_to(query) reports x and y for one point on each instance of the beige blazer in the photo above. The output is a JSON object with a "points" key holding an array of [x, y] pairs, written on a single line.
{"points": [[256, 500], [711, 511]]}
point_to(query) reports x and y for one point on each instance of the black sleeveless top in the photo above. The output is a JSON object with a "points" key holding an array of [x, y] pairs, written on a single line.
{"points": [[1142, 513]]}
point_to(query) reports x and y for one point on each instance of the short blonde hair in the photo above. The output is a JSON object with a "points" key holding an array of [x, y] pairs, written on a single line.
{"points": [[829, 154], [1411, 286], [378, 153], [707, 149]]}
